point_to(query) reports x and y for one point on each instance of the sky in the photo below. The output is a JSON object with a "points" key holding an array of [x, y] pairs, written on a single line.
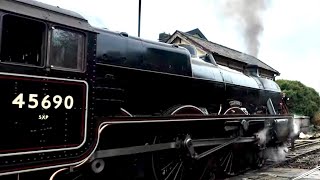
{"points": [[289, 42]]}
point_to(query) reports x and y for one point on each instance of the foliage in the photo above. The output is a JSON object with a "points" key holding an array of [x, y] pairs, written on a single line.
{"points": [[303, 100]]}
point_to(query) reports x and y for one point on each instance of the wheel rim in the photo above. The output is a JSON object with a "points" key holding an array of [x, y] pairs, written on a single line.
{"points": [[125, 113], [232, 162], [185, 110], [236, 110], [165, 165], [173, 164], [178, 165]]}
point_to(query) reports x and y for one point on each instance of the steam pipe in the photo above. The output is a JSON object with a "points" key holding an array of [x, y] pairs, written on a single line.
{"points": [[270, 107]]}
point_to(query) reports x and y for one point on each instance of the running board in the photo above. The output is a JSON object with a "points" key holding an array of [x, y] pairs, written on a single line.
{"points": [[182, 118]]}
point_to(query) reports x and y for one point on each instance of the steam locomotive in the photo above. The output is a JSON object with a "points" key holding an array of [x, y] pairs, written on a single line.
{"points": [[79, 101]]}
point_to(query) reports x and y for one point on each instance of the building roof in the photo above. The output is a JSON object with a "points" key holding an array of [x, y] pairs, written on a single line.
{"points": [[224, 51], [197, 32]]}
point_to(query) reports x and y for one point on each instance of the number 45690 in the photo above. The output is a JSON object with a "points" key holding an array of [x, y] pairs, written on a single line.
{"points": [[45, 102]]}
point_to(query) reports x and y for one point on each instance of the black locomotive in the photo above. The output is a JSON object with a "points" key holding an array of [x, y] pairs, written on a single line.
{"points": [[79, 101]]}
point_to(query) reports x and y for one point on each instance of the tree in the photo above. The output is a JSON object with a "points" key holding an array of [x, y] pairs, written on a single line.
{"points": [[303, 100]]}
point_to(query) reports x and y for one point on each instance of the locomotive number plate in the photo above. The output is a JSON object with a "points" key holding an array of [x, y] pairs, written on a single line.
{"points": [[41, 114]]}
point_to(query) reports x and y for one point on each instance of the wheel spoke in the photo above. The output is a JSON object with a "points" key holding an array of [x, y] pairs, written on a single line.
{"points": [[167, 166], [226, 158], [229, 165], [181, 174], [171, 171], [79, 176], [176, 175], [228, 161], [204, 171]]}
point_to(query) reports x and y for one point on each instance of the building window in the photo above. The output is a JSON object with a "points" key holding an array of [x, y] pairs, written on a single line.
{"points": [[22, 40], [67, 49]]}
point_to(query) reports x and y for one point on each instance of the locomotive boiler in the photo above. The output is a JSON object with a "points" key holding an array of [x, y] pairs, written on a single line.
{"points": [[84, 102]]}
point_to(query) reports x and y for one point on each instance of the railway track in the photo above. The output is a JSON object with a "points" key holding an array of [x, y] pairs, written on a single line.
{"points": [[302, 148], [288, 168], [308, 173], [303, 143]]}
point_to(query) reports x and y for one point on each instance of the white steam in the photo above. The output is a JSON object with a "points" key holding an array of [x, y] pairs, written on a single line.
{"points": [[276, 153], [295, 127], [262, 136]]}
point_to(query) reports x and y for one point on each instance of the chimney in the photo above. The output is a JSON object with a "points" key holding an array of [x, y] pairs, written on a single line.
{"points": [[163, 37], [253, 70]]}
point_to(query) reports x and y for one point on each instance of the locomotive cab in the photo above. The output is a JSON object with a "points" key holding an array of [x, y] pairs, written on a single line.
{"points": [[28, 42], [45, 67]]}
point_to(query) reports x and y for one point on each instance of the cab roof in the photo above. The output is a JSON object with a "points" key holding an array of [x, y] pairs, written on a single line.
{"points": [[46, 12]]}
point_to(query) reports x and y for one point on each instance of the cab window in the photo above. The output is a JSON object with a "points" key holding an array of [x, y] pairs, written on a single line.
{"points": [[22, 40], [67, 49]]}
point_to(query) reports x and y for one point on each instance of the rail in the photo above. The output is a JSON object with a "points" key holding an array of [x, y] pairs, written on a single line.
{"points": [[303, 175]]}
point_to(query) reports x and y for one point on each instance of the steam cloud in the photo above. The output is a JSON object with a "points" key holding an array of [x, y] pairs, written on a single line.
{"points": [[273, 153], [262, 136], [248, 14], [276, 153], [296, 128]]}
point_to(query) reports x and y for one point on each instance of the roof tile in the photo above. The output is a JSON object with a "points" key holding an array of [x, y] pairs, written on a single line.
{"points": [[228, 52]]}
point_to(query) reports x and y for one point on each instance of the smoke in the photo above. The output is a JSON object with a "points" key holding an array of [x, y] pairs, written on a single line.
{"points": [[247, 14]]}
